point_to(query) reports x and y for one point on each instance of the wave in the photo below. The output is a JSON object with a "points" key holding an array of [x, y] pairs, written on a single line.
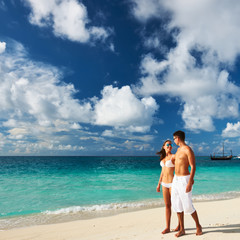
{"points": [[73, 213], [216, 196], [108, 207], [152, 203]]}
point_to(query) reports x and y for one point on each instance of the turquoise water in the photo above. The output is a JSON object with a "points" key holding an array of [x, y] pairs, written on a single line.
{"points": [[49, 187]]}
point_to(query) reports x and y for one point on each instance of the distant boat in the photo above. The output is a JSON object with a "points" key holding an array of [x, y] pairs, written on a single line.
{"points": [[229, 157]]}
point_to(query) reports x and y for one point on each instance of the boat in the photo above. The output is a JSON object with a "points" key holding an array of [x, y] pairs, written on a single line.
{"points": [[221, 157], [229, 157]]}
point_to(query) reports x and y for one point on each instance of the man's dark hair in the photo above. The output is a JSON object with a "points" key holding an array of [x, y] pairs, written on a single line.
{"points": [[180, 134]]}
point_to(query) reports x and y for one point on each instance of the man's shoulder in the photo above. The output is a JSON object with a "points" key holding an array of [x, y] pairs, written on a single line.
{"points": [[186, 149]]}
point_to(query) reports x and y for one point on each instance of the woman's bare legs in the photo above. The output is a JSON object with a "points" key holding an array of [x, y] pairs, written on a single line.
{"points": [[167, 201]]}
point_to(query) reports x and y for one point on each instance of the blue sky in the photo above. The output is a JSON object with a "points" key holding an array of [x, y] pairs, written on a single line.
{"points": [[108, 77]]}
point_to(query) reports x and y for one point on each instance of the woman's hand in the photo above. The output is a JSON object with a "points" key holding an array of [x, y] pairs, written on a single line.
{"points": [[158, 188]]}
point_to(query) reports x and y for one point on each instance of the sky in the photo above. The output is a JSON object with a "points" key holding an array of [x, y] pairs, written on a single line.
{"points": [[109, 77]]}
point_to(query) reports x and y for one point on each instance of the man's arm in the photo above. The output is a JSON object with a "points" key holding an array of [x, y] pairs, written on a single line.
{"points": [[192, 163]]}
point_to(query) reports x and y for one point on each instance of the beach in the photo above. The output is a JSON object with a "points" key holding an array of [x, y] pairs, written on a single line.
{"points": [[107, 198], [219, 219]]}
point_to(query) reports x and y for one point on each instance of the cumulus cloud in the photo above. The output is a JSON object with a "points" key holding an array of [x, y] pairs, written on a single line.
{"points": [[192, 72], [2, 47], [39, 111], [232, 130], [30, 89], [201, 20], [35, 105], [121, 108], [69, 148], [145, 9], [68, 19]]}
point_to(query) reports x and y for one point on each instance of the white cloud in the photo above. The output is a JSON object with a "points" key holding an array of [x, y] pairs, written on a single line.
{"points": [[110, 148], [145, 9], [2, 47], [155, 42], [200, 21], [34, 89], [191, 72], [68, 19], [69, 148], [39, 112], [35, 104], [232, 130], [108, 133], [129, 144], [121, 108], [123, 133]]}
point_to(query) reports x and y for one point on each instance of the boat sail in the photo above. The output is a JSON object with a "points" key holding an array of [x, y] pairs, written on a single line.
{"points": [[229, 157]]}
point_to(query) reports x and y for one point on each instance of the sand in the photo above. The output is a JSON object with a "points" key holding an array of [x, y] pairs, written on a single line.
{"points": [[219, 219]]}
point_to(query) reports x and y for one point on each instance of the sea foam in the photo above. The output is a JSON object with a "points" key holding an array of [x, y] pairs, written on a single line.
{"points": [[152, 203], [108, 207], [86, 212]]}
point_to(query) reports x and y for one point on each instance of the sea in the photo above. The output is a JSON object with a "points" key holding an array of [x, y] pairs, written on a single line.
{"points": [[45, 190]]}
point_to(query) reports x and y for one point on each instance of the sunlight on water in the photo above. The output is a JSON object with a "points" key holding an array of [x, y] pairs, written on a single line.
{"points": [[52, 186]]}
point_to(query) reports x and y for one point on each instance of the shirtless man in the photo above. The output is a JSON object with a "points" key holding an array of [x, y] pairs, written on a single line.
{"points": [[181, 197]]}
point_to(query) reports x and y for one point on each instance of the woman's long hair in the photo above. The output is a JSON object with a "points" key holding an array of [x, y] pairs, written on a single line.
{"points": [[162, 152]]}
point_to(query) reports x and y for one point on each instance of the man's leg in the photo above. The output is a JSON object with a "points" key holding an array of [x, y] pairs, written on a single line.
{"points": [[188, 206], [177, 206], [178, 226], [181, 223], [198, 226]]}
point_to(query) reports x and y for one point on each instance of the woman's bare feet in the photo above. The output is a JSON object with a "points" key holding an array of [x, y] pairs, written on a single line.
{"points": [[180, 233], [167, 230], [199, 230]]}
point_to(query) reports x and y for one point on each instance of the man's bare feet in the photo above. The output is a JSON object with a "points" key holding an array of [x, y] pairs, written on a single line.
{"points": [[167, 230], [177, 228], [199, 230], [180, 233]]}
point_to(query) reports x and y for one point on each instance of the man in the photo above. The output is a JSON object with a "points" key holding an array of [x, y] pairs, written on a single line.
{"points": [[181, 197]]}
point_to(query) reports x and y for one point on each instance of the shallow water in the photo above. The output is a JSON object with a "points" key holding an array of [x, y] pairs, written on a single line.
{"points": [[53, 189]]}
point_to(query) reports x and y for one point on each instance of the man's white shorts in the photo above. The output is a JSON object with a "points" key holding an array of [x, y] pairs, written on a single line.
{"points": [[181, 201]]}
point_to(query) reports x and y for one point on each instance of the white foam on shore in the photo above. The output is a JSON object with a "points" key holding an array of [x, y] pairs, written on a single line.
{"points": [[108, 207], [86, 212], [76, 213], [138, 205], [216, 196]]}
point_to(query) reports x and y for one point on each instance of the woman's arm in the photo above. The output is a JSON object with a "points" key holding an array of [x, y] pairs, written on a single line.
{"points": [[159, 182]]}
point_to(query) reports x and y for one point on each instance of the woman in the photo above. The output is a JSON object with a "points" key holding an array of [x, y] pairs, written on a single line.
{"points": [[167, 163]]}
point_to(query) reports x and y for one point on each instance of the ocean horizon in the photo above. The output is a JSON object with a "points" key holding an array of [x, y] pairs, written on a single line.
{"points": [[50, 189]]}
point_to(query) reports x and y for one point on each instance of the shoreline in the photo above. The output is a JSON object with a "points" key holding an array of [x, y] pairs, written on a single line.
{"points": [[219, 219], [75, 213]]}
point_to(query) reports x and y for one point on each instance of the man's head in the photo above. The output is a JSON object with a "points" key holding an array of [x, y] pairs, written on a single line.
{"points": [[179, 135]]}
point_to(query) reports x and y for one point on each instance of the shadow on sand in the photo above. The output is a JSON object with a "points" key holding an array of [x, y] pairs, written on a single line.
{"points": [[231, 228]]}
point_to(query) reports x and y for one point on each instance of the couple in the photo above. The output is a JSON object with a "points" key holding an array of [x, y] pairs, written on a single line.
{"points": [[177, 189]]}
